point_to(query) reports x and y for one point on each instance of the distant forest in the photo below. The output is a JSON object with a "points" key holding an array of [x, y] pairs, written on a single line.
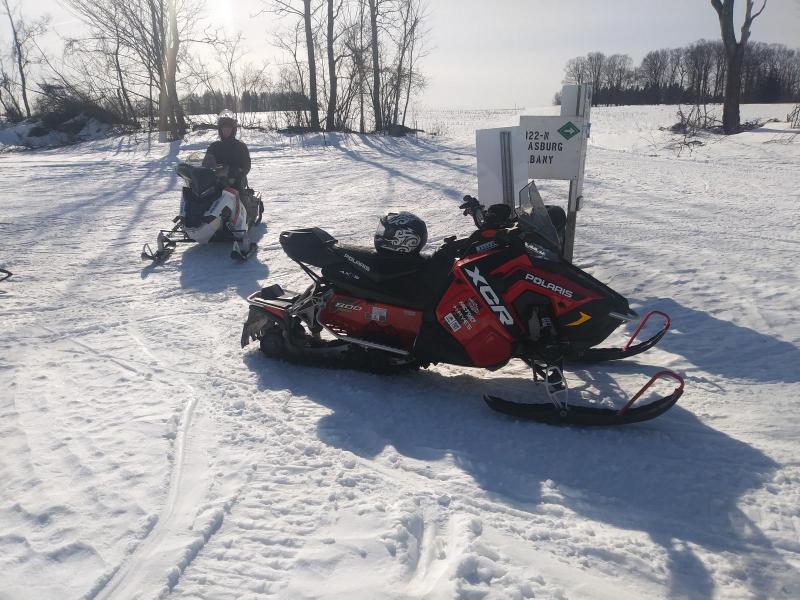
{"points": [[343, 65], [213, 102], [694, 74]]}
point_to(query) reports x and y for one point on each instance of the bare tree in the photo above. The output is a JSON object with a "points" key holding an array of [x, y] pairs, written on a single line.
{"points": [[653, 71], [374, 6], [699, 60], [294, 79], [349, 37], [414, 80], [357, 50], [330, 120], [409, 13], [617, 69], [143, 42], [594, 67], [23, 36], [305, 13], [735, 54], [8, 94], [170, 111], [576, 71]]}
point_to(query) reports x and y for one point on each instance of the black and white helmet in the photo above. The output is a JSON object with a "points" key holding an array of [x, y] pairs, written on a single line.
{"points": [[227, 119], [402, 232]]}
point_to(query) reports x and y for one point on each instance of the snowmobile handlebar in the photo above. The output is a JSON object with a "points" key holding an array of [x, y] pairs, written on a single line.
{"points": [[474, 209], [494, 217]]}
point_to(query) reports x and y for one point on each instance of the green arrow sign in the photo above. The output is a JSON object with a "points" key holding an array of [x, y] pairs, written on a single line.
{"points": [[569, 130]]}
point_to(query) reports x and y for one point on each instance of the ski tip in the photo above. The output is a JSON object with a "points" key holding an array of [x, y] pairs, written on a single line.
{"points": [[237, 254]]}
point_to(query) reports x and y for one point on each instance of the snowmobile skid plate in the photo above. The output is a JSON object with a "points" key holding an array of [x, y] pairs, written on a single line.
{"points": [[563, 414], [594, 355]]}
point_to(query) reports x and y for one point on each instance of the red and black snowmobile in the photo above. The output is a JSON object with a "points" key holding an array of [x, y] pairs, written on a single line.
{"points": [[503, 292]]}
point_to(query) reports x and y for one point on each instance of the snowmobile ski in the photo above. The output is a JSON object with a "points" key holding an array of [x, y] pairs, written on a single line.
{"points": [[238, 254], [595, 355], [5, 274], [166, 242], [561, 413]]}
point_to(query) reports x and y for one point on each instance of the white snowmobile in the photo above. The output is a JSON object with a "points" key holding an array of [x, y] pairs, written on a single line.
{"points": [[210, 211]]}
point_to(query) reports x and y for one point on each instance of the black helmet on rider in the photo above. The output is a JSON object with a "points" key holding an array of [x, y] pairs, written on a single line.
{"points": [[226, 119], [403, 232]]}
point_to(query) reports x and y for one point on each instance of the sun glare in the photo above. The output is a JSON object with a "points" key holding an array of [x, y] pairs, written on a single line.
{"points": [[221, 13]]}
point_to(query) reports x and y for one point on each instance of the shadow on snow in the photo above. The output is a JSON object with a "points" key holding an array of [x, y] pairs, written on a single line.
{"points": [[675, 478], [724, 348]]}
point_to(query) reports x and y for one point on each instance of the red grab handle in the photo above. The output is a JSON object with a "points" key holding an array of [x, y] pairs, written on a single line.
{"points": [[660, 375]]}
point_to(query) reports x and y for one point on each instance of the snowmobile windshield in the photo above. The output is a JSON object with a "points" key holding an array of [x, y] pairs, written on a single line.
{"points": [[202, 181], [533, 217]]}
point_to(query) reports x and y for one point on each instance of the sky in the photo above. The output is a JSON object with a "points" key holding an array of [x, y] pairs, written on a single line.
{"points": [[504, 53]]}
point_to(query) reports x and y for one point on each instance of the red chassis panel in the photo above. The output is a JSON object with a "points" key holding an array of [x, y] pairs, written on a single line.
{"points": [[467, 314], [521, 276], [372, 321], [483, 321]]}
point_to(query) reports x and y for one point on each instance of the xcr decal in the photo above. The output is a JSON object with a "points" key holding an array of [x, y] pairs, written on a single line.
{"points": [[491, 297]]}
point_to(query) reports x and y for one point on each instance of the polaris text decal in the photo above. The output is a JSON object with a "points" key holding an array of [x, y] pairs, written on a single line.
{"points": [[548, 285], [356, 262]]}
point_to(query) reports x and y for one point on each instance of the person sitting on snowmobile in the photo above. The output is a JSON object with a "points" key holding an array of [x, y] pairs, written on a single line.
{"points": [[229, 151]]}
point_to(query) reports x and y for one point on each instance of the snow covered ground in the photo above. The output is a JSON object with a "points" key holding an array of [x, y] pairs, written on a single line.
{"points": [[143, 454]]}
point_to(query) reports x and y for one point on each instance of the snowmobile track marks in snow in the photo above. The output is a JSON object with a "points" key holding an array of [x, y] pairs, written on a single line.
{"points": [[152, 566]]}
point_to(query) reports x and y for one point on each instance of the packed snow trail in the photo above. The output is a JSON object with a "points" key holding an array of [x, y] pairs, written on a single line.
{"points": [[144, 454]]}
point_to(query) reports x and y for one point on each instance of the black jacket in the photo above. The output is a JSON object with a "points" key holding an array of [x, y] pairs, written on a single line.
{"points": [[231, 152]]}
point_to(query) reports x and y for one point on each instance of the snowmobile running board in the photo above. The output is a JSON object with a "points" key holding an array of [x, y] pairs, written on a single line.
{"points": [[593, 355], [587, 416]]}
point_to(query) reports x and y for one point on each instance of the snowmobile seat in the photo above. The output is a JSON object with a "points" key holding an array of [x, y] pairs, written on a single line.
{"points": [[311, 245], [315, 246], [379, 266]]}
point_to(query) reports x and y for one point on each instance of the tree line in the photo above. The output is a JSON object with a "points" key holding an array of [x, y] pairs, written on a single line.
{"points": [[693, 74], [347, 64]]}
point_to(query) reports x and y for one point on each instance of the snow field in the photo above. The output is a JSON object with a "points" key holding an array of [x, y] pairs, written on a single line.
{"points": [[144, 454]]}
